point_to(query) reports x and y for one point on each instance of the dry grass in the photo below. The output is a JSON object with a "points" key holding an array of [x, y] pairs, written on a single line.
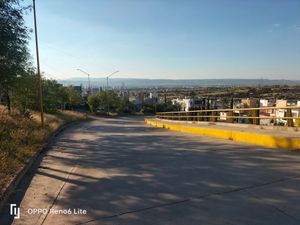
{"points": [[21, 137]]}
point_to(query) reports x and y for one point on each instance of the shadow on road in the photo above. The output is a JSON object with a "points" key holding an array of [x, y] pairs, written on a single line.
{"points": [[128, 173]]}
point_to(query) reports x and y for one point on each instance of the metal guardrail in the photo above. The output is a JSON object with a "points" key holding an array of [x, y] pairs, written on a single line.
{"points": [[237, 115]]}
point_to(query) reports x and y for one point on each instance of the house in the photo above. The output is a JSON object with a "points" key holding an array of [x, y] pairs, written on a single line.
{"points": [[188, 104]]}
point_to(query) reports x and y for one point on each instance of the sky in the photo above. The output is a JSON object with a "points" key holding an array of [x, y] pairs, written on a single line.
{"points": [[170, 39]]}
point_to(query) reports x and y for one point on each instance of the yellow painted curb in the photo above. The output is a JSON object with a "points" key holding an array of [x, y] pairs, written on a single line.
{"points": [[246, 137]]}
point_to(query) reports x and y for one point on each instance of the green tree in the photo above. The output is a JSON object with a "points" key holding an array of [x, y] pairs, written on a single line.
{"points": [[13, 46], [24, 93], [103, 100], [94, 102], [125, 106], [192, 94], [111, 99], [73, 97], [51, 93], [167, 107]]}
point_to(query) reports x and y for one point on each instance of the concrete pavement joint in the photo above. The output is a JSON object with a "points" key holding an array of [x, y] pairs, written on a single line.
{"points": [[198, 197], [59, 191], [273, 206]]}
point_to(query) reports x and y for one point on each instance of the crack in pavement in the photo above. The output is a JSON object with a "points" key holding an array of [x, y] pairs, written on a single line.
{"points": [[204, 196]]}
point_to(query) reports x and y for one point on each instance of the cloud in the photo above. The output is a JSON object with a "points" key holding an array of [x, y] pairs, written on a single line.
{"points": [[276, 25], [297, 27]]}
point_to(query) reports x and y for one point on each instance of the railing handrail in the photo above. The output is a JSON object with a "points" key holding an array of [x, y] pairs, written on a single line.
{"points": [[237, 117], [231, 110]]}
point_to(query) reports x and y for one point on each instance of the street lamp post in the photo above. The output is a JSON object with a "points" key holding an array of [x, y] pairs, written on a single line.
{"points": [[38, 67], [107, 90], [88, 79]]}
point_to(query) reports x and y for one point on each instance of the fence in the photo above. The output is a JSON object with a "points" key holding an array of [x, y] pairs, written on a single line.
{"points": [[291, 115]]}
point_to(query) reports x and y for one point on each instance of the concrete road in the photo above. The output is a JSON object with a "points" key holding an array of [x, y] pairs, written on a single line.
{"points": [[123, 172]]}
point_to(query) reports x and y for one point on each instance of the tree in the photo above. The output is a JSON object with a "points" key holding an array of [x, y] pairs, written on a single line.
{"points": [[94, 102], [51, 90], [192, 94], [103, 100], [56, 95], [167, 107], [113, 101], [73, 97], [13, 45], [24, 92]]}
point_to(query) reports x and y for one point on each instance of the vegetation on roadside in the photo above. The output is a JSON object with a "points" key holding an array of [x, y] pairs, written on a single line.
{"points": [[109, 100], [14, 54], [20, 132], [23, 96], [18, 79], [160, 107], [21, 137]]}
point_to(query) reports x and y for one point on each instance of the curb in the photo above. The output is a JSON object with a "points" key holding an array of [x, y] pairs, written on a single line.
{"points": [[10, 188], [265, 140]]}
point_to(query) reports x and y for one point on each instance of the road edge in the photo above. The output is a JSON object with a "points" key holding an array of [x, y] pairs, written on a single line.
{"points": [[266, 140], [20, 174]]}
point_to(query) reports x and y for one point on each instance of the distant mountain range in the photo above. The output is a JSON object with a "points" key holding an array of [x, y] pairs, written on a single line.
{"points": [[146, 83]]}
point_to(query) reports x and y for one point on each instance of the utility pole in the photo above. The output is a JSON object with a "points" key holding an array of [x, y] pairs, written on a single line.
{"points": [[38, 68]]}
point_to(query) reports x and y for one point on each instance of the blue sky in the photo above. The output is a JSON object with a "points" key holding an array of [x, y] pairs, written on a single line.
{"points": [[169, 38]]}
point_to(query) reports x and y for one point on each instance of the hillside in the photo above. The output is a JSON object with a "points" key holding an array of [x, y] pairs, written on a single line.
{"points": [[20, 138]]}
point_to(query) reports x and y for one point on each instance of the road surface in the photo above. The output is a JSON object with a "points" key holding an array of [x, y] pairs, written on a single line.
{"points": [[119, 171]]}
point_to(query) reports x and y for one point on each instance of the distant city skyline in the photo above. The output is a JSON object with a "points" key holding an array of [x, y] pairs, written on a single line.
{"points": [[158, 39]]}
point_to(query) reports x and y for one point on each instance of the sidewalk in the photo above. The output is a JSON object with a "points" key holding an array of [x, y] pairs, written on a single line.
{"points": [[274, 137]]}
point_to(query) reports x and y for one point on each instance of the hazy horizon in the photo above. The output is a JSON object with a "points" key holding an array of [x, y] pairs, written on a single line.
{"points": [[226, 39], [111, 78], [171, 83]]}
